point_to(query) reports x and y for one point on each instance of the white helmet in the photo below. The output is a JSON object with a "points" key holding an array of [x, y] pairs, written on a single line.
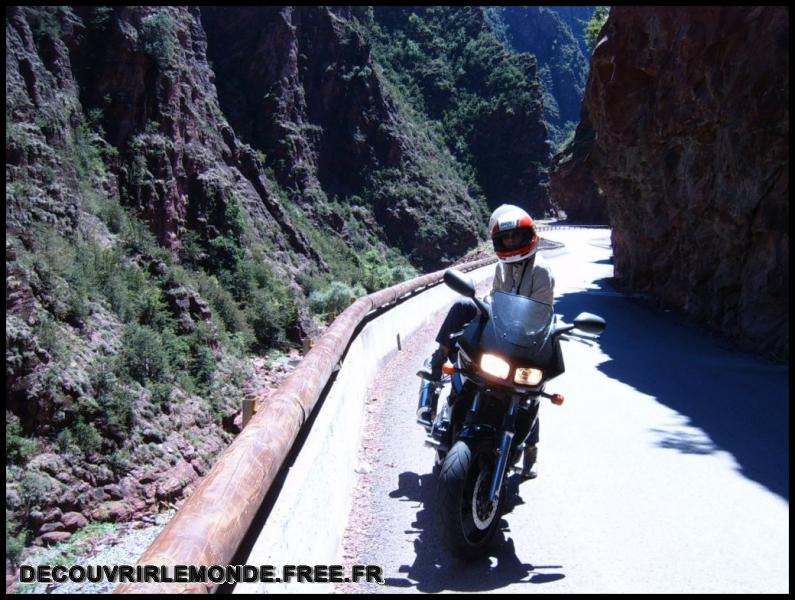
{"points": [[513, 233]]}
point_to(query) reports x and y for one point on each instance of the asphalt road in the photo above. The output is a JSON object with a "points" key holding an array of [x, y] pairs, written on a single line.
{"points": [[664, 471]]}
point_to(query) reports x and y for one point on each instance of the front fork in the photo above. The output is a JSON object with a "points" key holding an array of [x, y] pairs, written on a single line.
{"points": [[429, 393], [503, 452]]}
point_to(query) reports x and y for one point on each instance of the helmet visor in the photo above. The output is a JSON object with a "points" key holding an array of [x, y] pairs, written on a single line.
{"points": [[513, 239]]}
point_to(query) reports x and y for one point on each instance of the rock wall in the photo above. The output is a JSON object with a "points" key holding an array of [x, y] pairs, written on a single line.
{"points": [[486, 100], [316, 106], [571, 183], [143, 72], [690, 112], [553, 37], [315, 76]]}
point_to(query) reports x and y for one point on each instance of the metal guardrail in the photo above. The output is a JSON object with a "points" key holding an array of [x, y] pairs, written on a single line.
{"points": [[210, 526], [560, 227]]}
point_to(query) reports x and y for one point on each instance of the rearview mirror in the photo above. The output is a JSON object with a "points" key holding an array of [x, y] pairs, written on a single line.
{"points": [[458, 282], [588, 323]]}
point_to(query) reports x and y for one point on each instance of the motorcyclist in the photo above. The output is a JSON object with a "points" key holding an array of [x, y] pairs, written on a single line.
{"points": [[520, 270]]}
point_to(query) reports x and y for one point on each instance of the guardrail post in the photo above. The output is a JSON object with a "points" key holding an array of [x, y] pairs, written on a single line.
{"points": [[248, 410]]}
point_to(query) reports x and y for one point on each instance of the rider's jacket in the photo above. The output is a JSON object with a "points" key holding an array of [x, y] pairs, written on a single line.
{"points": [[531, 277]]}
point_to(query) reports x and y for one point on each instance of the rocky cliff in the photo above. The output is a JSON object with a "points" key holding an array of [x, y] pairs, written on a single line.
{"points": [[122, 380], [554, 35], [314, 104], [572, 188], [690, 114], [486, 101]]}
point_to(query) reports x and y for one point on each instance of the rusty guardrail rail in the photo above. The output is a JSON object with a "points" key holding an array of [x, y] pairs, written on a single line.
{"points": [[213, 521]]}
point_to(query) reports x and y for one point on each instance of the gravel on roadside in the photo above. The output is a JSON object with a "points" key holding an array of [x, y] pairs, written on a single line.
{"points": [[122, 546]]}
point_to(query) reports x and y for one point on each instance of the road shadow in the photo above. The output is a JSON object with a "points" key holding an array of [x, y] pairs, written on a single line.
{"points": [[732, 401], [435, 570]]}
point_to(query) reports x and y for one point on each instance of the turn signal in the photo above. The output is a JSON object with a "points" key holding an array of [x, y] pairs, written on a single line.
{"points": [[557, 399], [448, 368]]}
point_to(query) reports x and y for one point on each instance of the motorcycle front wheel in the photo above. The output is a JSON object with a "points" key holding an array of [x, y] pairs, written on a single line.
{"points": [[469, 521]]}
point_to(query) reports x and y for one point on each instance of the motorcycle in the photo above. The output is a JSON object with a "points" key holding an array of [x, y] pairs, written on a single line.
{"points": [[500, 364]]}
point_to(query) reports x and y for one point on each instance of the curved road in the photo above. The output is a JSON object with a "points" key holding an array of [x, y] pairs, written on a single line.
{"points": [[665, 470]]}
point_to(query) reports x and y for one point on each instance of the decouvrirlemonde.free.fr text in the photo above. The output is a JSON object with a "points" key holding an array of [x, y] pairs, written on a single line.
{"points": [[201, 574]]}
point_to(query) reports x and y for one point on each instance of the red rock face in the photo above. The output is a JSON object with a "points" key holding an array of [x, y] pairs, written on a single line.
{"points": [[690, 110], [571, 184], [312, 100], [146, 68]]}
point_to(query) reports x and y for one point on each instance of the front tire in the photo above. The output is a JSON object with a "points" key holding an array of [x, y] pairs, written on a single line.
{"points": [[469, 521]]}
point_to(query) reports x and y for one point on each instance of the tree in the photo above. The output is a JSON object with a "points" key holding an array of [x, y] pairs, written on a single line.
{"points": [[594, 25]]}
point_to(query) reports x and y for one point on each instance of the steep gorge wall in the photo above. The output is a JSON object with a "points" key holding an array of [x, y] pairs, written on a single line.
{"points": [[313, 102], [485, 100], [554, 36], [690, 113], [108, 107], [173, 156], [572, 188]]}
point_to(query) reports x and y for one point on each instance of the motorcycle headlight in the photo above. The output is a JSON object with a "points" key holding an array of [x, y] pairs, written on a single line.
{"points": [[528, 376], [494, 365]]}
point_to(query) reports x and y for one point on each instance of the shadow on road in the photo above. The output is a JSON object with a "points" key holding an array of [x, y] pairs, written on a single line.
{"points": [[732, 401], [436, 570]]}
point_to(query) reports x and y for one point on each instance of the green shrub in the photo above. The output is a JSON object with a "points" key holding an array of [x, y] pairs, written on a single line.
{"points": [[46, 21], [224, 253], [203, 362], [270, 312], [120, 461], [376, 273], [64, 441], [101, 17], [86, 437], [50, 337], [143, 357], [18, 447], [101, 274], [177, 352], [403, 273], [247, 277], [87, 152], [138, 239], [333, 299], [36, 488], [113, 215], [15, 538], [158, 33], [192, 252], [222, 301], [161, 393], [102, 378], [150, 308], [594, 25], [117, 408]]}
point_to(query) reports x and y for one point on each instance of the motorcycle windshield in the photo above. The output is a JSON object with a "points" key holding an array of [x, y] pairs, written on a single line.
{"points": [[519, 320]]}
